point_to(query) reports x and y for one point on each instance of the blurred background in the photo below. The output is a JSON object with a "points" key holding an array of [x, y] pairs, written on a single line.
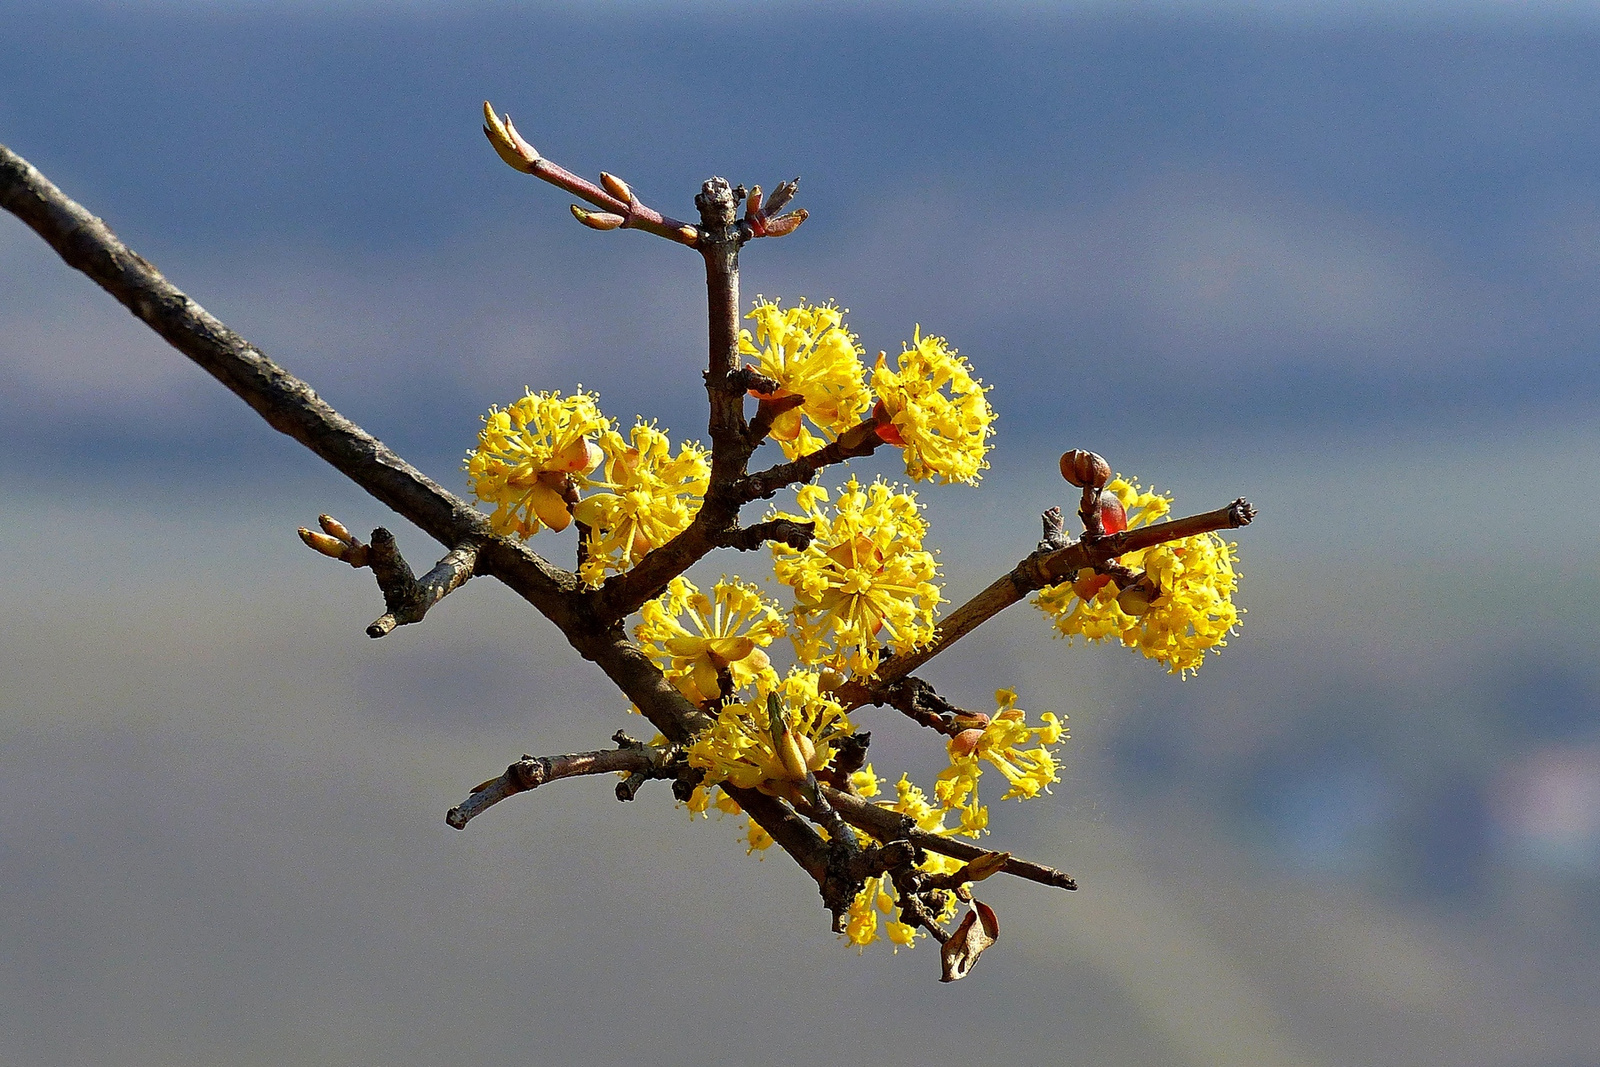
{"points": [[1340, 258]]}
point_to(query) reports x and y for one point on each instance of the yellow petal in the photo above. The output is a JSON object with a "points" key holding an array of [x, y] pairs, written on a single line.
{"points": [[549, 507]]}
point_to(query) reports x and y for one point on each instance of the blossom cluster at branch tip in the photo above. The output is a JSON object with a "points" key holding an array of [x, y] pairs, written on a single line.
{"points": [[529, 456], [934, 409], [809, 353], [1194, 612], [1001, 742], [865, 574], [648, 497], [693, 637]]}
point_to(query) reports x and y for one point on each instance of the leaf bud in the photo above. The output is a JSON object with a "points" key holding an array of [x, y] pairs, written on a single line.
{"points": [[597, 220], [508, 144], [616, 187], [331, 547], [1085, 469], [336, 528]]}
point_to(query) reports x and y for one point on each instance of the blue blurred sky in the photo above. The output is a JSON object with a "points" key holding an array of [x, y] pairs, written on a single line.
{"points": [[1340, 258]]}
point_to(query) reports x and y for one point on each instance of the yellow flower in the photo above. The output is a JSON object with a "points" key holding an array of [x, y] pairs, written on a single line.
{"points": [[651, 496], [1030, 771], [527, 456], [725, 631], [943, 434], [1194, 612], [864, 573], [739, 747], [879, 895], [810, 354]]}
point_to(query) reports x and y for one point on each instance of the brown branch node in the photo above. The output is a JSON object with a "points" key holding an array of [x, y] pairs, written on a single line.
{"points": [[407, 597], [796, 535]]}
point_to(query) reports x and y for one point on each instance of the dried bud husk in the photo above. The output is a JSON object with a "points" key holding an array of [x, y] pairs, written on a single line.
{"points": [[979, 930], [1085, 469], [887, 432], [782, 195], [784, 224], [965, 743], [860, 439]]}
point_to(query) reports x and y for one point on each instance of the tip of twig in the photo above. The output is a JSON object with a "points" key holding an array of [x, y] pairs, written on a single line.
{"points": [[1241, 513]]}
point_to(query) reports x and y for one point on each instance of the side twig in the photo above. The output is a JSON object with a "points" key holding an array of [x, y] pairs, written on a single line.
{"points": [[887, 825], [1042, 568], [530, 772]]}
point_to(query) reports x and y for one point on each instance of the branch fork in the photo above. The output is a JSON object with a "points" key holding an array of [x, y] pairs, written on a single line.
{"points": [[407, 598]]}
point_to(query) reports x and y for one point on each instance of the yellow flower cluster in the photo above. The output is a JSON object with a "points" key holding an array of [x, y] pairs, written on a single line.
{"points": [[1030, 771], [739, 747], [943, 434], [527, 457], [865, 573], [725, 631], [810, 354], [879, 894], [649, 497], [1194, 612]]}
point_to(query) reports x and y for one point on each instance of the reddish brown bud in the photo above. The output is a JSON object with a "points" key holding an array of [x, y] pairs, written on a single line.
{"points": [[784, 224], [965, 743], [1085, 469], [1113, 516], [886, 428]]}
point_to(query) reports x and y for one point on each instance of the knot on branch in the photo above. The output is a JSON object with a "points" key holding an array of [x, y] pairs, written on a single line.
{"points": [[715, 202], [1055, 531], [746, 378]]}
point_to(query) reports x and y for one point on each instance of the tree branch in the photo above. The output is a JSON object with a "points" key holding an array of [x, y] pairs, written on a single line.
{"points": [[288, 404], [888, 825], [860, 440], [530, 772], [796, 535], [1042, 568], [620, 208]]}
